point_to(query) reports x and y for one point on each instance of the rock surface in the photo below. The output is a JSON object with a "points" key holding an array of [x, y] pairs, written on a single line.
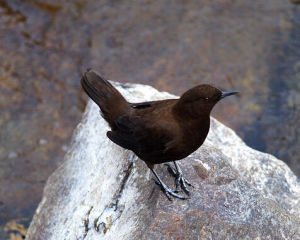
{"points": [[102, 191]]}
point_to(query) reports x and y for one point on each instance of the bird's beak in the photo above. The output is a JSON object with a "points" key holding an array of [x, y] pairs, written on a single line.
{"points": [[226, 94]]}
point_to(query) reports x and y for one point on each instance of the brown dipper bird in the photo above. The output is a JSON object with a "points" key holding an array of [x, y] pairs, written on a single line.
{"points": [[157, 131]]}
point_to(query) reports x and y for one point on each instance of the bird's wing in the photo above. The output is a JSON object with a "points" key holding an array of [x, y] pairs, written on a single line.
{"points": [[141, 136], [150, 104], [143, 105]]}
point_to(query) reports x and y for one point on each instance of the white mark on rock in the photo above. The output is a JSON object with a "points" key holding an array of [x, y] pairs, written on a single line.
{"points": [[43, 141], [205, 165], [107, 218], [64, 148], [12, 155]]}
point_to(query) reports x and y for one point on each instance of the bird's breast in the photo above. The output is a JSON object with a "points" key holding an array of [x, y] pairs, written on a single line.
{"points": [[195, 134]]}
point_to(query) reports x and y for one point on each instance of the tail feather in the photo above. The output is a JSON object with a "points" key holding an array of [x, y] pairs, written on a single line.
{"points": [[105, 95]]}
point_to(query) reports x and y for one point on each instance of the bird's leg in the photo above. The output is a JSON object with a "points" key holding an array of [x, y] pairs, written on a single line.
{"points": [[179, 178], [168, 191]]}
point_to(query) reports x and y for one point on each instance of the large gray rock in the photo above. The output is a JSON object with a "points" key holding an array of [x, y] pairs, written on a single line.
{"points": [[102, 191]]}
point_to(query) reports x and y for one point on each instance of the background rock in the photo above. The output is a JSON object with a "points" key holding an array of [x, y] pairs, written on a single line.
{"points": [[45, 45], [102, 191]]}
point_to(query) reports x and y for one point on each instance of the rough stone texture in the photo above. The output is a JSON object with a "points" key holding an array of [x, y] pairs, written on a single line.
{"points": [[102, 191]]}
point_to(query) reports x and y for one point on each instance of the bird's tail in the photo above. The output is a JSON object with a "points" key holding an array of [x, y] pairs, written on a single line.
{"points": [[105, 95]]}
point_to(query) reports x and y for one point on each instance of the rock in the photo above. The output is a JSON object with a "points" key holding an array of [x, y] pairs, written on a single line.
{"points": [[295, 1], [102, 191]]}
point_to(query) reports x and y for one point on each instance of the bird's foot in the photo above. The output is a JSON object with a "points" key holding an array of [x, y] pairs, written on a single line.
{"points": [[168, 191], [180, 180]]}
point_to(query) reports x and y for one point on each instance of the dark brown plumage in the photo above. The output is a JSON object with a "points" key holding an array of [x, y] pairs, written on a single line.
{"points": [[157, 131]]}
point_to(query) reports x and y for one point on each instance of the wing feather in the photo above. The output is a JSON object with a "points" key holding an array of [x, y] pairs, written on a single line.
{"points": [[142, 137]]}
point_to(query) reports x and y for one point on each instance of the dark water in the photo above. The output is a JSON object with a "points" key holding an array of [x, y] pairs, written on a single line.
{"points": [[251, 46]]}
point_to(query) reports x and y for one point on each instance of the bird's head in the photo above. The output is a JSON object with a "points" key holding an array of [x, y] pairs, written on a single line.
{"points": [[202, 98]]}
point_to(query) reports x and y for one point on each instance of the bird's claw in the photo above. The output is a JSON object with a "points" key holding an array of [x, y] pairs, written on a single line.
{"points": [[180, 180], [169, 192]]}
